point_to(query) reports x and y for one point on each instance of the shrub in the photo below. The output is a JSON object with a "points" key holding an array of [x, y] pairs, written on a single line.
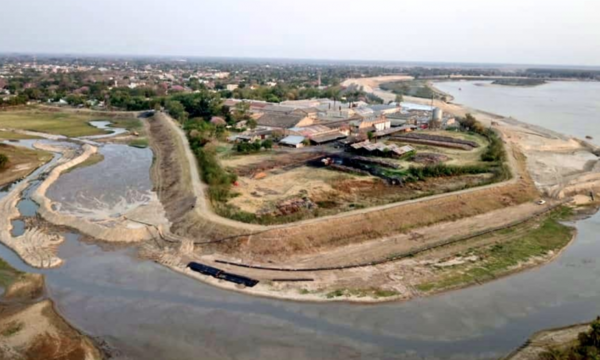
{"points": [[441, 170], [3, 161]]}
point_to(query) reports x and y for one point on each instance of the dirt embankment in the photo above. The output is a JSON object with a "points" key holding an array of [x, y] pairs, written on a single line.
{"points": [[30, 327], [176, 180], [548, 339], [22, 162]]}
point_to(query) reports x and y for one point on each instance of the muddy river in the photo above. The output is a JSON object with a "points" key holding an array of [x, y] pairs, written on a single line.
{"points": [[145, 311]]}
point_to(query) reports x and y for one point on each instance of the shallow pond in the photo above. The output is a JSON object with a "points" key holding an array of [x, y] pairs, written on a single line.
{"points": [[107, 189]]}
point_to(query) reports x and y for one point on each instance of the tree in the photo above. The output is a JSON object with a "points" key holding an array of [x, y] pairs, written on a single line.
{"points": [[176, 110], [399, 98], [252, 124], [267, 144], [3, 161], [241, 111], [371, 135]]}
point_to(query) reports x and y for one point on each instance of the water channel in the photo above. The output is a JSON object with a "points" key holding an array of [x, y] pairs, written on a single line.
{"points": [[146, 311]]}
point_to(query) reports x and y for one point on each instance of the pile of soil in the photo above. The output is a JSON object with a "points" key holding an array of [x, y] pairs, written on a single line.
{"points": [[429, 158]]}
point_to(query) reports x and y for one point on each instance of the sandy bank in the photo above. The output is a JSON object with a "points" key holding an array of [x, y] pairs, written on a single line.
{"points": [[31, 328], [35, 247]]}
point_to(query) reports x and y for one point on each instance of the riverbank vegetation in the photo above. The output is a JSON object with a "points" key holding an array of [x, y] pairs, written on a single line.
{"points": [[416, 88], [3, 161], [587, 346], [30, 327], [519, 82], [90, 161], [519, 246]]}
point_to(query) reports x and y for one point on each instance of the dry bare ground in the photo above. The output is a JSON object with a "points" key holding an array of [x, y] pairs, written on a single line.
{"points": [[30, 327], [543, 340]]}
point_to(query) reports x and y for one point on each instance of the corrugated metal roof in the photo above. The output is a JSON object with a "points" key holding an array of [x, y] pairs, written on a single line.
{"points": [[292, 140]]}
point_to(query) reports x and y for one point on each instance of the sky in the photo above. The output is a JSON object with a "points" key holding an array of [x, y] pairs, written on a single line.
{"points": [[553, 32]]}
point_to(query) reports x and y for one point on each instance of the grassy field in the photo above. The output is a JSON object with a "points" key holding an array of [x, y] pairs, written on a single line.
{"points": [[529, 241], [141, 143], [7, 274], [9, 135], [58, 123], [22, 162]]}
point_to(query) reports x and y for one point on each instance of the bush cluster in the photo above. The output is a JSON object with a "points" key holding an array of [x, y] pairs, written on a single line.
{"points": [[495, 151], [253, 147], [588, 347], [441, 170], [3, 161], [219, 180]]}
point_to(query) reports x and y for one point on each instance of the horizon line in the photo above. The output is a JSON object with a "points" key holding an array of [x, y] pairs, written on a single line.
{"points": [[408, 63]]}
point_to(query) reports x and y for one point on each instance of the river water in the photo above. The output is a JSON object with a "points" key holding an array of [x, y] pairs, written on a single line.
{"points": [[571, 108], [146, 311]]}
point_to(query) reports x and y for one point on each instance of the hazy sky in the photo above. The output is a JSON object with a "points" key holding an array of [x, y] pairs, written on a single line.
{"points": [[498, 31]]}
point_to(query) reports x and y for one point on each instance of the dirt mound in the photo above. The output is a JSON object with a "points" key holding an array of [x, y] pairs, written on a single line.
{"points": [[287, 161], [169, 173], [429, 158], [32, 329]]}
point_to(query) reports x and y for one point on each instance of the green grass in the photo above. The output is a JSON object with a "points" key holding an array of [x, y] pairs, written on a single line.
{"points": [[141, 143], [7, 274], [92, 160], [130, 124], [12, 329], [372, 292], [500, 258], [57, 123], [9, 135]]}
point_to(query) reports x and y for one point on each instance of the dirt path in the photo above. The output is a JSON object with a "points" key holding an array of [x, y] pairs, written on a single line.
{"points": [[547, 339]]}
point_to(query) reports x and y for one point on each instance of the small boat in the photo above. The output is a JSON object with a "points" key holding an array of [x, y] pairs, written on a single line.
{"points": [[589, 137]]}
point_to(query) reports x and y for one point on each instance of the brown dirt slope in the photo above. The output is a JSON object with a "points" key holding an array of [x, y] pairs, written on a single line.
{"points": [[22, 162], [31, 329], [172, 181]]}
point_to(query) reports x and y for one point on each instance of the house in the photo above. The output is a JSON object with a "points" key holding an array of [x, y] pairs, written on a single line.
{"points": [[385, 109], [258, 134], [284, 120], [379, 124], [327, 137], [311, 112], [318, 134], [276, 108], [231, 87], [309, 131], [382, 149], [295, 141]]}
